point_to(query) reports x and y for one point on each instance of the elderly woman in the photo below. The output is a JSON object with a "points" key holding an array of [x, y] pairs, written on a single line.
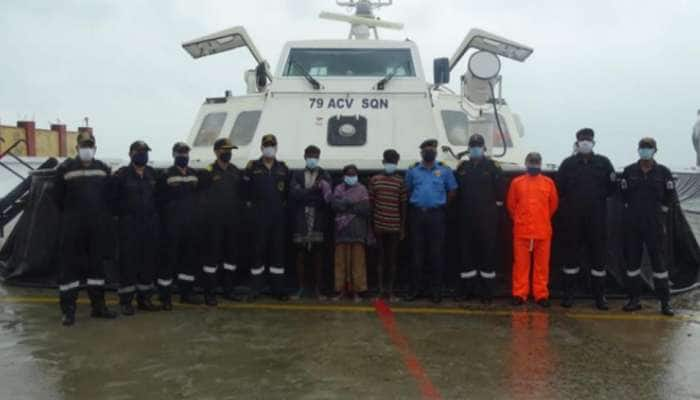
{"points": [[350, 201]]}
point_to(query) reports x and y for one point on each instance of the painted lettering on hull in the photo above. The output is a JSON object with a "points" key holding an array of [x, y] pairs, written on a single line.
{"points": [[344, 103]]}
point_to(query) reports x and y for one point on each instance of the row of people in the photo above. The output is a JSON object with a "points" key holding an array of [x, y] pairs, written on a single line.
{"points": [[181, 224]]}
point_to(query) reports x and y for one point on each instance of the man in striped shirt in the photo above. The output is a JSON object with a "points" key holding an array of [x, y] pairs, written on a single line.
{"points": [[387, 194]]}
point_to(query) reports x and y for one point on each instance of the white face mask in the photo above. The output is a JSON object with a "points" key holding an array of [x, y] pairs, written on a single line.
{"points": [[269, 151], [585, 146], [86, 153]]}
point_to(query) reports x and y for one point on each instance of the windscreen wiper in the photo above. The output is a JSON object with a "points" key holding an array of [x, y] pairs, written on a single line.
{"points": [[382, 83], [316, 85]]}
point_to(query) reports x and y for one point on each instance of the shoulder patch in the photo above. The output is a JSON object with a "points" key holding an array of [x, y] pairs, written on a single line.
{"points": [[210, 167]]}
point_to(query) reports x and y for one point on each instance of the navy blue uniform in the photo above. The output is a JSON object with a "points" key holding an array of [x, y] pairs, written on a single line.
{"points": [[428, 190], [480, 194], [647, 197], [584, 184], [135, 205], [267, 190], [222, 210], [82, 194], [177, 195]]}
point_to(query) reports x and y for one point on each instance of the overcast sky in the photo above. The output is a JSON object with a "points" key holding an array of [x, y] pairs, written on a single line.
{"points": [[625, 68]]}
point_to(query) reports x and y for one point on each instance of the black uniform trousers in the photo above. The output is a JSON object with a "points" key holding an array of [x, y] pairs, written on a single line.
{"points": [[646, 231], [82, 238], [138, 248], [427, 227], [220, 252], [478, 235], [179, 246], [269, 249], [584, 243]]}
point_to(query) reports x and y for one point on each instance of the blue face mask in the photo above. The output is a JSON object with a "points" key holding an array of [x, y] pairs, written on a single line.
{"points": [[646, 154], [350, 180], [534, 171], [182, 161], [476, 152], [140, 159], [390, 168], [311, 163]]}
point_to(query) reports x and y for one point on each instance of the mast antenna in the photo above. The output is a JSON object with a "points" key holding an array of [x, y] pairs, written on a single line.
{"points": [[364, 19]]}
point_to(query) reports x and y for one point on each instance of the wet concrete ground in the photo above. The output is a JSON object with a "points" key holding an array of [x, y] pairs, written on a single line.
{"points": [[345, 351]]}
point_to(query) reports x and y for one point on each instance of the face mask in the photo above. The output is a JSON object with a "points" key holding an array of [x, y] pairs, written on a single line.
{"points": [[311, 163], [140, 159], [86, 153], [269, 152], [585, 146], [350, 180], [182, 161], [390, 168], [646, 154], [429, 155], [476, 152], [225, 157], [533, 171]]}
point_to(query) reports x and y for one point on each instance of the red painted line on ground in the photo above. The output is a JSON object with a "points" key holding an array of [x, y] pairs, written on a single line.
{"points": [[409, 357]]}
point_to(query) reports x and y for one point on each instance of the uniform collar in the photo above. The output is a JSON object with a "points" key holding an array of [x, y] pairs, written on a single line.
{"points": [[436, 165]]}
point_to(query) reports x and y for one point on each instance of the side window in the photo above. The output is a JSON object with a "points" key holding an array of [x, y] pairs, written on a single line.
{"points": [[244, 127], [210, 129], [456, 127]]}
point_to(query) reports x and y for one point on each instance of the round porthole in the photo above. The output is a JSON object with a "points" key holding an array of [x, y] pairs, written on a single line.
{"points": [[347, 130]]}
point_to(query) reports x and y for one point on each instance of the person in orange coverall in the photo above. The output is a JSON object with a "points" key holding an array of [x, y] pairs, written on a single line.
{"points": [[532, 200]]}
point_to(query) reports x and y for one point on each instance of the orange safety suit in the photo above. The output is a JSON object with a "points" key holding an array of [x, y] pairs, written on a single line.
{"points": [[531, 202]]}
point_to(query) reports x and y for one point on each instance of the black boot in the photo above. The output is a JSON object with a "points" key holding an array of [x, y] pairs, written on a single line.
{"points": [[165, 297], [210, 299], [97, 302], [567, 300], [601, 303], [143, 299], [664, 295], [598, 288], [632, 304], [125, 300], [187, 296], [487, 290], [666, 309], [68, 306]]}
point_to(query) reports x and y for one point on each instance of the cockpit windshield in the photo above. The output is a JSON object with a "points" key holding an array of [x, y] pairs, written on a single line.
{"points": [[350, 62]]}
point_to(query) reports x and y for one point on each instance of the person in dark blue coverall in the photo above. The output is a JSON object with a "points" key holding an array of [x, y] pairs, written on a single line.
{"points": [[648, 191], [221, 182], [177, 194], [135, 205], [267, 187], [584, 181], [81, 191]]}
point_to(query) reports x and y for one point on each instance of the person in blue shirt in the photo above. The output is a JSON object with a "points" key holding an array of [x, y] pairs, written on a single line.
{"points": [[431, 185]]}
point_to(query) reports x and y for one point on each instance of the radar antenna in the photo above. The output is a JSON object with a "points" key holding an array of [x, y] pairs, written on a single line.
{"points": [[364, 20]]}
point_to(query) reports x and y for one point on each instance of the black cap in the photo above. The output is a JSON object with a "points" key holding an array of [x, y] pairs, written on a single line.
{"points": [[224, 144], [585, 132], [533, 157], [269, 139], [139, 145], [349, 167], [647, 142], [312, 150], [429, 142], [391, 156], [86, 137], [476, 140], [181, 147]]}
